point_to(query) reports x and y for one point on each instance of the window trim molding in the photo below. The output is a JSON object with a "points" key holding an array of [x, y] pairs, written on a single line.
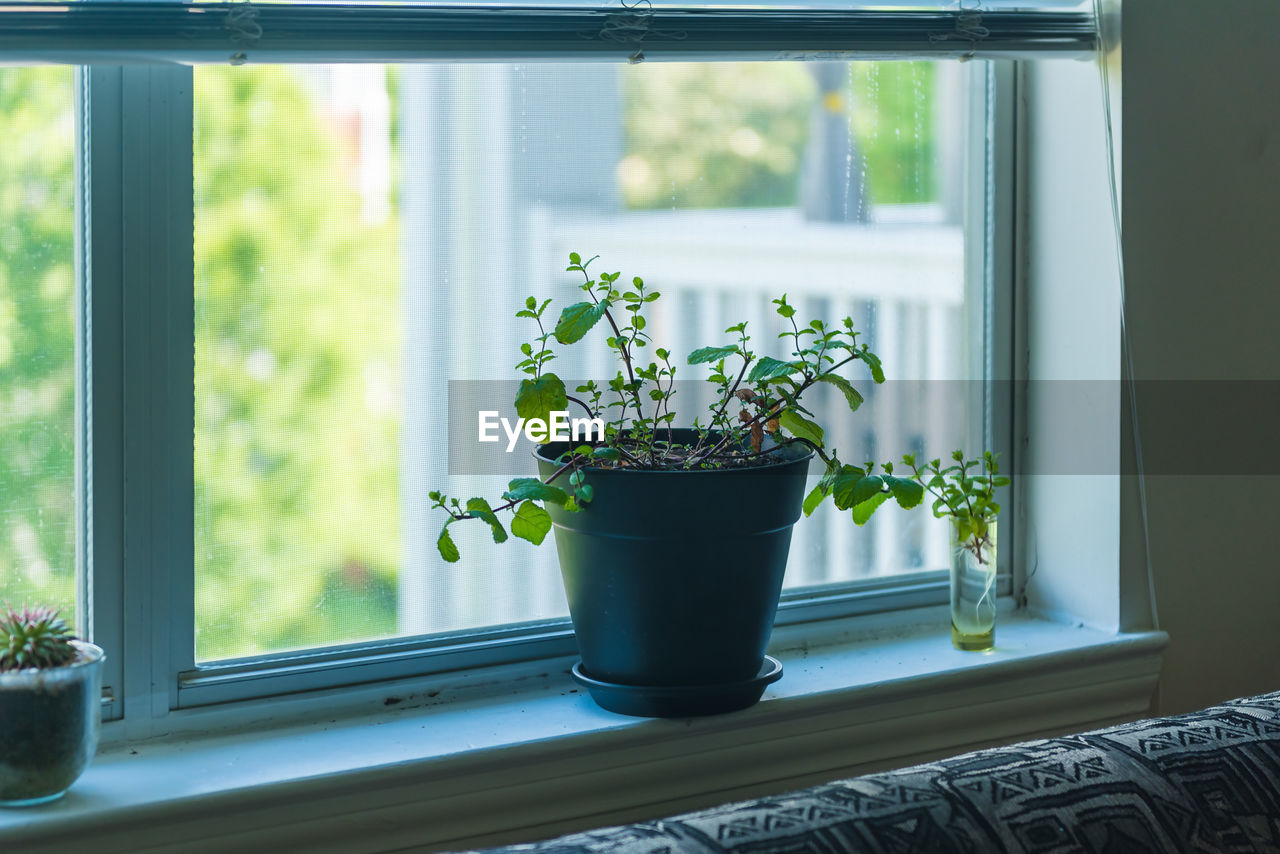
{"points": [[469, 773], [526, 643], [138, 279], [100, 386]]}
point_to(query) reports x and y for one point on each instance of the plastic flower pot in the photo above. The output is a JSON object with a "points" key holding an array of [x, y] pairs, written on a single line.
{"points": [[673, 579]]}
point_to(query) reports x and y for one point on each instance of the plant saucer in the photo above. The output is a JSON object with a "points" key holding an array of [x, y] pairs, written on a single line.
{"points": [[679, 701]]}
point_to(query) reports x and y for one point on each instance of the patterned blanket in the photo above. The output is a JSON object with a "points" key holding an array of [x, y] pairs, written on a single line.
{"points": [[1205, 782]]}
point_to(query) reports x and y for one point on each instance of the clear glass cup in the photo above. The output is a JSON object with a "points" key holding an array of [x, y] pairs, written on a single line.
{"points": [[973, 590]]}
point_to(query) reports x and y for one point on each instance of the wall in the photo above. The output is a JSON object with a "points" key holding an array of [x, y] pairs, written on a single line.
{"points": [[1201, 189]]}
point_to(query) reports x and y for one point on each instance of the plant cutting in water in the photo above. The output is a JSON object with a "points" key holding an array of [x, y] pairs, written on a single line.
{"points": [[965, 494], [967, 499]]}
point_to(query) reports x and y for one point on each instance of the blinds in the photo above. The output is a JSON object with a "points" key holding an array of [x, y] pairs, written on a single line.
{"points": [[633, 30]]}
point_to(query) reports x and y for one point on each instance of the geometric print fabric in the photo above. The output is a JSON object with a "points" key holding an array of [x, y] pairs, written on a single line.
{"points": [[1208, 781]]}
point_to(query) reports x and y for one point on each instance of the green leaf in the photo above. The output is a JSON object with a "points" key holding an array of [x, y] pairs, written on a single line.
{"points": [[539, 398], [850, 393], [863, 511], [585, 493], [448, 549], [531, 523], [815, 498], [907, 492], [853, 487], [843, 483], [769, 368], [873, 362], [606, 454], [479, 508], [530, 488], [797, 425], [710, 354], [576, 320]]}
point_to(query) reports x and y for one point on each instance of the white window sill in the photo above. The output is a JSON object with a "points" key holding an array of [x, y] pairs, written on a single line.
{"points": [[511, 761]]}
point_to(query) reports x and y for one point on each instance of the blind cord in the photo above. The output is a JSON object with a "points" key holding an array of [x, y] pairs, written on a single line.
{"points": [[242, 23]]}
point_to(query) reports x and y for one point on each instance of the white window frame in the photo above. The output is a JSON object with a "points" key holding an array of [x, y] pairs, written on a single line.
{"points": [[136, 265], [885, 698]]}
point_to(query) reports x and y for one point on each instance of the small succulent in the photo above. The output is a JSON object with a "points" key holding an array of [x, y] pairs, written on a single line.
{"points": [[34, 637]]}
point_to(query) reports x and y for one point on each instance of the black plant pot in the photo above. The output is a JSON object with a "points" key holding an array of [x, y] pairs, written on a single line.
{"points": [[673, 579]]}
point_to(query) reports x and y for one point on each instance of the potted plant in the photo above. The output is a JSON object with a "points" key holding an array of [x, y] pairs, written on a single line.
{"points": [[50, 694], [964, 493], [673, 539]]}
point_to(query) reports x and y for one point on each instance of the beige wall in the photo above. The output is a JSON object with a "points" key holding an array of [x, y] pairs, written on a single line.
{"points": [[1201, 190]]}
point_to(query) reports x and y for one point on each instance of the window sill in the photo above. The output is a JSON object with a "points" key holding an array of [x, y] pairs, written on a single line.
{"points": [[518, 761]]}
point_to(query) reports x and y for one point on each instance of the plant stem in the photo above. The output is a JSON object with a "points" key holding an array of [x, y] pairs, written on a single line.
{"points": [[977, 543], [724, 404], [622, 348], [590, 412], [773, 412], [564, 468], [784, 443]]}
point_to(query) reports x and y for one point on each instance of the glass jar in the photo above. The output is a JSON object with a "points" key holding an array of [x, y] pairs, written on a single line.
{"points": [[49, 725], [973, 588]]}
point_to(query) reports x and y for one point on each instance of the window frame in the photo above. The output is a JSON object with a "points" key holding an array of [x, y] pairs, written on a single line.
{"points": [[135, 279]]}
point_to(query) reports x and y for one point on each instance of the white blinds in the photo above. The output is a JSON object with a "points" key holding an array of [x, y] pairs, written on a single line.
{"points": [[105, 31]]}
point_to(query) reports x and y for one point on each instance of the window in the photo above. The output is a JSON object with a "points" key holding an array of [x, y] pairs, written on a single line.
{"points": [[360, 229], [38, 342], [348, 217]]}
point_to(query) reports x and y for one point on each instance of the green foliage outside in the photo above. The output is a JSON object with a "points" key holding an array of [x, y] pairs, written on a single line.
{"points": [[297, 299], [296, 528], [733, 135], [714, 135], [296, 466], [37, 338], [893, 126]]}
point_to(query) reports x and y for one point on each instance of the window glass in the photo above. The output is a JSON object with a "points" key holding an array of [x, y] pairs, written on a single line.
{"points": [[365, 236], [298, 330], [37, 339]]}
